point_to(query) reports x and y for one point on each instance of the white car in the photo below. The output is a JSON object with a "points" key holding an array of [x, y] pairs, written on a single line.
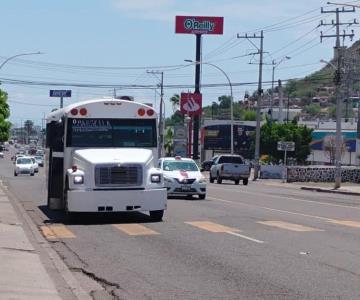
{"points": [[24, 165], [182, 177], [35, 164], [40, 160], [1, 155]]}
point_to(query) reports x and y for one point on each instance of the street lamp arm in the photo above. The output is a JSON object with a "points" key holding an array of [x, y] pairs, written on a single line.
{"points": [[231, 100], [17, 55]]}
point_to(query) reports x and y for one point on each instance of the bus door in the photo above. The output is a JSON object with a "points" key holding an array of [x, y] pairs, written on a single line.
{"points": [[55, 143]]}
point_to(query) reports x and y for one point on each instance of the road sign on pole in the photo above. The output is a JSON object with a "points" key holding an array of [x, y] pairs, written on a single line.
{"points": [[285, 146], [60, 93]]}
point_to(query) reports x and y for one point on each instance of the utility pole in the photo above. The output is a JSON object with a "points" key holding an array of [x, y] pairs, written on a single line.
{"points": [[338, 55], [161, 121], [281, 102], [259, 98]]}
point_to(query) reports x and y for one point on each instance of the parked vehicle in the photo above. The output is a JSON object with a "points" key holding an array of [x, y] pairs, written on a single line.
{"points": [[206, 164], [1, 155], [24, 165], [182, 177], [230, 167]]}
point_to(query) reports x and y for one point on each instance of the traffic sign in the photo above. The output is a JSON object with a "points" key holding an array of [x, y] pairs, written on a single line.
{"points": [[60, 93], [286, 146], [191, 104]]}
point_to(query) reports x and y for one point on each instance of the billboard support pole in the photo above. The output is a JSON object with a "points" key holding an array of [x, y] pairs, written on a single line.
{"points": [[196, 125]]}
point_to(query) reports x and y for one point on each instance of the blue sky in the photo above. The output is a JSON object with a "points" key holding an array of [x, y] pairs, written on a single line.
{"points": [[140, 33]]}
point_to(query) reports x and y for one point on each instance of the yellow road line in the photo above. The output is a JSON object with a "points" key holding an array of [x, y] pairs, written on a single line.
{"points": [[212, 227], [135, 229], [289, 226], [346, 223], [56, 231]]}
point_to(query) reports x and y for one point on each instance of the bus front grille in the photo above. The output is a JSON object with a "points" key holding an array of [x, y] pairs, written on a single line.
{"points": [[118, 175]]}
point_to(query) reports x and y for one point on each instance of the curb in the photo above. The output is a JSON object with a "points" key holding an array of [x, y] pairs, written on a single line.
{"points": [[322, 190]]}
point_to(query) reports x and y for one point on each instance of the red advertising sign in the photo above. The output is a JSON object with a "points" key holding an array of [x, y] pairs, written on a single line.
{"points": [[199, 25], [191, 104]]}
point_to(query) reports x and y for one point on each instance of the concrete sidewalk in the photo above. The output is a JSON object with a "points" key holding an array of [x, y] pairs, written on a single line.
{"points": [[22, 274], [326, 187]]}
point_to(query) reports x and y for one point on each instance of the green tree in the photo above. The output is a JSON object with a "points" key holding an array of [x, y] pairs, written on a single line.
{"points": [[312, 109], [175, 102], [4, 114], [272, 133], [224, 101], [169, 141], [249, 115]]}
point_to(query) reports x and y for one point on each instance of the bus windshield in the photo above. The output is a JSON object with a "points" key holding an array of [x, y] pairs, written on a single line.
{"points": [[111, 133]]}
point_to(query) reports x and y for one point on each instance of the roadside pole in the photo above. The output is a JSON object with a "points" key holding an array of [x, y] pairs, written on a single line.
{"points": [[284, 171], [285, 146], [259, 98]]}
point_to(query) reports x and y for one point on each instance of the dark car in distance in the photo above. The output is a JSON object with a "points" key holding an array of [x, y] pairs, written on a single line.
{"points": [[206, 164]]}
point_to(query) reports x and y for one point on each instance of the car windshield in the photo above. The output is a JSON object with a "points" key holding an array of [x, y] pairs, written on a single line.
{"points": [[230, 160], [23, 161], [38, 157], [180, 165]]}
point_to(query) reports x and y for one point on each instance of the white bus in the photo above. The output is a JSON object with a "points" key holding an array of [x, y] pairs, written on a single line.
{"points": [[102, 157]]}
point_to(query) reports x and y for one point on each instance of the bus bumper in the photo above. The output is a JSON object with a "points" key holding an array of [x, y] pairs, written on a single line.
{"points": [[116, 200]]}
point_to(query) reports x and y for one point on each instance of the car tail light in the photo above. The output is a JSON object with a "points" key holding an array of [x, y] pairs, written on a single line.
{"points": [[150, 112], [83, 111], [141, 112], [74, 111]]}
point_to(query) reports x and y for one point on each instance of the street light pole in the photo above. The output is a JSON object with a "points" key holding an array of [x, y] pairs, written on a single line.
{"points": [[275, 65], [231, 100], [161, 121], [17, 55]]}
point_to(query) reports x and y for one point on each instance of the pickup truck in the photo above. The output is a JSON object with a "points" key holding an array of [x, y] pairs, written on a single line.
{"points": [[230, 167]]}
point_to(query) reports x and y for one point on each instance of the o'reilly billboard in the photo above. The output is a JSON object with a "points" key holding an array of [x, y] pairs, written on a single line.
{"points": [[199, 25]]}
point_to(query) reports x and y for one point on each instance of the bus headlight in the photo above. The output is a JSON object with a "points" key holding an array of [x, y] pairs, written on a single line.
{"points": [[155, 178], [78, 179]]}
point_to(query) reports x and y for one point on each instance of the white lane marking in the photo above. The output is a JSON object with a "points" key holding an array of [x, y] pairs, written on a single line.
{"points": [[292, 199], [272, 209], [245, 237]]}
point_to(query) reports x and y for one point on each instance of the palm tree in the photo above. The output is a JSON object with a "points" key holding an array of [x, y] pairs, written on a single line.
{"points": [[175, 102], [169, 142]]}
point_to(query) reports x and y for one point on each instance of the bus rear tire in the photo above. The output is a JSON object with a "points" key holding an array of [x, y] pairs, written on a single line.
{"points": [[157, 215]]}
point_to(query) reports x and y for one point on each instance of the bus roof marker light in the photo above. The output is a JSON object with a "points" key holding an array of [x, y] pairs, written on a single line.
{"points": [[83, 111], [141, 112], [74, 111], [150, 112]]}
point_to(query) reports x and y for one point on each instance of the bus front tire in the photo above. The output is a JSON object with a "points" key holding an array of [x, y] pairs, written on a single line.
{"points": [[157, 215]]}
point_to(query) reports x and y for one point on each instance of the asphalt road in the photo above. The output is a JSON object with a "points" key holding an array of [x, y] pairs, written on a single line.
{"points": [[258, 241]]}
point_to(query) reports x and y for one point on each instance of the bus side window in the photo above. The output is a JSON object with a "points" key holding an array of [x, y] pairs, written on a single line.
{"points": [[55, 136]]}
